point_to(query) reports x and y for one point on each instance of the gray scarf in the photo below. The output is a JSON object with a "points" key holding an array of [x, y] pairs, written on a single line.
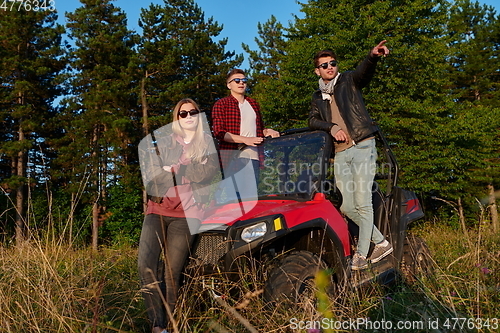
{"points": [[328, 88]]}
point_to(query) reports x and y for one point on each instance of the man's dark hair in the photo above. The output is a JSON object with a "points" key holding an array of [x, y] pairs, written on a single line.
{"points": [[323, 53], [234, 71]]}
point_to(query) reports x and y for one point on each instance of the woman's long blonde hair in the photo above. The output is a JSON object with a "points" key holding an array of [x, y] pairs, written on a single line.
{"points": [[199, 146]]}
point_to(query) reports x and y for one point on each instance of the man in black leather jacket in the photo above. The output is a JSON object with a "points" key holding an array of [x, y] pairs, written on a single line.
{"points": [[338, 108]]}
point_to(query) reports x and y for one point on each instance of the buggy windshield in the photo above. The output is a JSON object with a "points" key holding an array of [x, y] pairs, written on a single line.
{"points": [[293, 166]]}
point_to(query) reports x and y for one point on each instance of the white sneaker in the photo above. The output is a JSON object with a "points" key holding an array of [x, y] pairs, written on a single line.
{"points": [[358, 262], [381, 251]]}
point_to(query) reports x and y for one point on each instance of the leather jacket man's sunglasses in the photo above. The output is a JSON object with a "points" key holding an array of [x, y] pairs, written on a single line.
{"points": [[324, 65], [192, 113]]}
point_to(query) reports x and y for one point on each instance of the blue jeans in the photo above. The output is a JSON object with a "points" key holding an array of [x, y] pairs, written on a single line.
{"points": [[244, 185], [354, 171], [239, 163]]}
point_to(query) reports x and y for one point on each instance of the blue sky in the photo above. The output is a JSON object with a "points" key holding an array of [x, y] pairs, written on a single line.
{"points": [[239, 18]]}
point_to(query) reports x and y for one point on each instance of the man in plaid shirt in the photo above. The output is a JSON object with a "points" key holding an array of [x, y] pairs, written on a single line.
{"points": [[237, 121], [237, 124]]}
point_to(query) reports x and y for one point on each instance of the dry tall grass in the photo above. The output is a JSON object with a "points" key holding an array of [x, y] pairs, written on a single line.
{"points": [[55, 288], [59, 289], [467, 277]]}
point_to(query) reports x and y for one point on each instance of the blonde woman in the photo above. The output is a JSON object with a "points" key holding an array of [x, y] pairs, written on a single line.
{"points": [[186, 164]]}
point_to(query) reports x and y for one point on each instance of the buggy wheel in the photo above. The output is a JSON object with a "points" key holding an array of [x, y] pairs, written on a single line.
{"points": [[292, 282], [416, 261]]}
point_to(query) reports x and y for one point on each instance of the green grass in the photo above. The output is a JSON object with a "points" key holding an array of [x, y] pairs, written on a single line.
{"points": [[56, 288]]}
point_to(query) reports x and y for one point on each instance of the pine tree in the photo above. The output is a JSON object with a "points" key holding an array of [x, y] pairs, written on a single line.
{"points": [[180, 58], [475, 38], [98, 117], [30, 59], [265, 65], [410, 95]]}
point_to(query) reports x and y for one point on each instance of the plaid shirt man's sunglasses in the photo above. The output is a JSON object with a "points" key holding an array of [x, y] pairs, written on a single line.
{"points": [[238, 80]]}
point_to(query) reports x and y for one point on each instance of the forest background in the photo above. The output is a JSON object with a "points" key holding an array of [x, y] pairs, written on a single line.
{"points": [[73, 111]]}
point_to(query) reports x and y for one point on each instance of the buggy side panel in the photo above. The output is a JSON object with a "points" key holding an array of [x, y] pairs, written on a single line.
{"points": [[406, 208]]}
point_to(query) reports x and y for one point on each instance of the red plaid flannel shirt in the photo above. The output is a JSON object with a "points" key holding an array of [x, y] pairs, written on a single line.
{"points": [[226, 117]]}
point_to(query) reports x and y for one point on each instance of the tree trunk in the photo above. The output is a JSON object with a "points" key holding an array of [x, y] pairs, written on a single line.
{"points": [[102, 179], [461, 216], [145, 128], [95, 225], [95, 206], [145, 106], [493, 208], [20, 171], [71, 217]]}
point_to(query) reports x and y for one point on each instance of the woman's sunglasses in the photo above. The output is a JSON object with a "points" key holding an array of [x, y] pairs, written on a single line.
{"points": [[192, 113], [324, 65]]}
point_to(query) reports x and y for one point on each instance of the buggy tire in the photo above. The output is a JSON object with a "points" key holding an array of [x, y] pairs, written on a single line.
{"points": [[416, 261], [291, 283]]}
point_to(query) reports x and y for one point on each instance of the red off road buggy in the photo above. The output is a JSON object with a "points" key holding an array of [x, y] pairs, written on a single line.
{"points": [[294, 217]]}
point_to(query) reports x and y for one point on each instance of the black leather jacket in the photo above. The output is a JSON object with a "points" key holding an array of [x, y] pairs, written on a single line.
{"points": [[349, 100]]}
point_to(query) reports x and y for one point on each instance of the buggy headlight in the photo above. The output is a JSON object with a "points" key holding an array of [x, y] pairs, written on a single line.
{"points": [[253, 232]]}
